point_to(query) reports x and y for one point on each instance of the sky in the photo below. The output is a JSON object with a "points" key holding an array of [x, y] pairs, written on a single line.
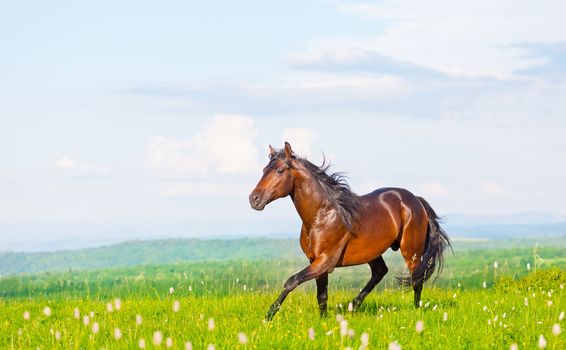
{"points": [[139, 119]]}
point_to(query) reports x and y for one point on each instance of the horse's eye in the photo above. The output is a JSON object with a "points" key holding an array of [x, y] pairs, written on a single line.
{"points": [[280, 171]]}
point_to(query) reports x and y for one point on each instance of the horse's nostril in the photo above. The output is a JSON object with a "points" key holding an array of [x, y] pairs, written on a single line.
{"points": [[256, 198]]}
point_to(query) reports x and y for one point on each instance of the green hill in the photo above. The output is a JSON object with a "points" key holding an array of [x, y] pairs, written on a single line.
{"points": [[133, 253], [172, 251]]}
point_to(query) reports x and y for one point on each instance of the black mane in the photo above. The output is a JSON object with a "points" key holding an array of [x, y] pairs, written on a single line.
{"points": [[336, 190]]}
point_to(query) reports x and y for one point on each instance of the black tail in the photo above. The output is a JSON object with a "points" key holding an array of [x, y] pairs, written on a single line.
{"points": [[436, 242]]}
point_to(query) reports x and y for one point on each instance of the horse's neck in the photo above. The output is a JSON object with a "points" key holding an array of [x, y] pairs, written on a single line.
{"points": [[308, 198]]}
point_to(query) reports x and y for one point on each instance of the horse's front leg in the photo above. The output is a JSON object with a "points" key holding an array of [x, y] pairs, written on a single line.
{"points": [[322, 293], [317, 268]]}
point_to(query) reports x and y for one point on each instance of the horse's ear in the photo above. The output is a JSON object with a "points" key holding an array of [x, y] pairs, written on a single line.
{"points": [[288, 150], [271, 152]]}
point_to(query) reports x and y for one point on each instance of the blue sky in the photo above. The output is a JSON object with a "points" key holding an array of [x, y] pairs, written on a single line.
{"points": [[138, 119]]}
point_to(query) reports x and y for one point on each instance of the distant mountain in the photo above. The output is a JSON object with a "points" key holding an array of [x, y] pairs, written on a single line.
{"points": [[526, 218], [508, 231]]}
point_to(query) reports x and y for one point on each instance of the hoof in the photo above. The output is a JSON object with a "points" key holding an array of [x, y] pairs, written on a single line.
{"points": [[272, 311]]}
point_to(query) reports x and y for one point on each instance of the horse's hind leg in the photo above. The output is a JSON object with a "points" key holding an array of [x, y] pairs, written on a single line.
{"points": [[413, 259], [412, 247], [418, 288], [378, 270]]}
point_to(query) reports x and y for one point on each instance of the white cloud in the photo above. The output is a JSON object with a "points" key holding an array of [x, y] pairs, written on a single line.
{"points": [[224, 146], [69, 166], [492, 189], [470, 37], [434, 189], [300, 139]]}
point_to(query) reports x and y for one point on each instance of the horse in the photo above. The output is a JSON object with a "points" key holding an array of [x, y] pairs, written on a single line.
{"points": [[340, 228]]}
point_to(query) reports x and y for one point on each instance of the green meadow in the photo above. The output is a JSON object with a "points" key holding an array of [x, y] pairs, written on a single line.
{"points": [[489, 296]]}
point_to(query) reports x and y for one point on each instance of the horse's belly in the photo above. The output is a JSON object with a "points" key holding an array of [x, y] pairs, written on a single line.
{"points": [[367, 245], [379, 229]]}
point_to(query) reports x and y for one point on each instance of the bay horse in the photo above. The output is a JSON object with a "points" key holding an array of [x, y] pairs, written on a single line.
{"points": [[341, 228]]}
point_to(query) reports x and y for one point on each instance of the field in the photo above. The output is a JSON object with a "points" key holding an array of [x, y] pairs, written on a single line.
{"points": [[484, 299]]}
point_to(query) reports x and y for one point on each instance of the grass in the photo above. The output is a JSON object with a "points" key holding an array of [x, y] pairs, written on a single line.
{"points": [[386, 317], [236, 295]]}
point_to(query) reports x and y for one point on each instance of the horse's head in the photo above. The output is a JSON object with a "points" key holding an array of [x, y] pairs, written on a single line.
{"points": [[277, 179]]}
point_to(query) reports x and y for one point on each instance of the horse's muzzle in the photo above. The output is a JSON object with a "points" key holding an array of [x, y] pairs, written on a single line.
{"points": [[257, 201]]}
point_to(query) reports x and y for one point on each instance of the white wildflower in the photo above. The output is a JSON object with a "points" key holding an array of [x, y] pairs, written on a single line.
{"points": [[561, 316], [311, 333], [188, 346], [364, 339], [350, 307], [419, 327], [210, 347], [171, 290], [528, 266], [445, 316], [343, 328], [495, 264], [157, 338], [176, 306], [210, 324], [76, 313], [556, 330], [541, 342], [117, 304], [138, 320], [86, 320], [141, 344], [484, 284], [243, 339], [117, 333], [57, 335], [47, 311], [26, 315], [169, 342], [394, 346], [95, 328], [109, 307], [514, 346]]}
